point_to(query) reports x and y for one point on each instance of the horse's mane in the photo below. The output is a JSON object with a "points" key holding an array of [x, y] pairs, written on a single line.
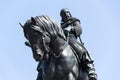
{"points": [[48, 24]]}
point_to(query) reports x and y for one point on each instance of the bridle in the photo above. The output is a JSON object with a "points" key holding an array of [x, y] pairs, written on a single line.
{"points": [[46, 48], [42, 37]]}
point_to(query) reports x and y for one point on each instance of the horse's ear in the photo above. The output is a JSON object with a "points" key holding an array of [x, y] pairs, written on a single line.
{"points": [[21, 25], [33, 20]]}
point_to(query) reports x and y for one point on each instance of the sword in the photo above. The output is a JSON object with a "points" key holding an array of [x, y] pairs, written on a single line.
{"points": [[81, 40]]}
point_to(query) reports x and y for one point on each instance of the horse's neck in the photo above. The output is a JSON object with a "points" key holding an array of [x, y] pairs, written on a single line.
{"points": [[57, 43]]}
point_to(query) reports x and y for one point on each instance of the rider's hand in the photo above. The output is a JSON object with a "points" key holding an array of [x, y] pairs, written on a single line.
{"points": [[72, 31]]}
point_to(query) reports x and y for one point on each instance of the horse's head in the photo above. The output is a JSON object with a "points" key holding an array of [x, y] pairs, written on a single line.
{"points": [[38, 39], [40, 31]]}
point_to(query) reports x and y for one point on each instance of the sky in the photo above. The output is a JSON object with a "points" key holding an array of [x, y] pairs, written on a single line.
{"points": [[100, 20]]}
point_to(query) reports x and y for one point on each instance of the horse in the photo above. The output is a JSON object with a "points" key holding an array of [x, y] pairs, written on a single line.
{"points": [[50, 46]]}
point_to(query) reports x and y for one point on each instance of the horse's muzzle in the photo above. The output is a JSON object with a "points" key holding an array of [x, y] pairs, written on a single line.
{"points": [[40, 53]]}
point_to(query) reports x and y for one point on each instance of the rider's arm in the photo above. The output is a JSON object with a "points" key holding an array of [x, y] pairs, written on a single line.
{"points": [[76, 29]]}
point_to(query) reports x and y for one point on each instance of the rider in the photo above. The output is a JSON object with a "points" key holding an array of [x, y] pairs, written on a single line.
{"points": [[72, 29]]}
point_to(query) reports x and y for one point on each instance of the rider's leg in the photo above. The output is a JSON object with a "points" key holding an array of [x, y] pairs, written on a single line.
{"points": [[86, 61], [88, 66]]}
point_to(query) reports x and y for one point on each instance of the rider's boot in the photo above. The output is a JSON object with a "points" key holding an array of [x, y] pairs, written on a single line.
{"points": [[88, 66]]}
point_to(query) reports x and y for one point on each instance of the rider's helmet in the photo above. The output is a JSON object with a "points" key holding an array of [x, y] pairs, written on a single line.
{"points": [[65, 14]]}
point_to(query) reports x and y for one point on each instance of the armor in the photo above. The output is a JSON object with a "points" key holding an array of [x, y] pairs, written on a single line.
{"points": [[72, 29]]}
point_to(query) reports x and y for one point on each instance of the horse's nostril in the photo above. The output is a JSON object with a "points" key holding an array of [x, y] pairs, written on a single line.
{"points": [[40, 56], [40, 53]]}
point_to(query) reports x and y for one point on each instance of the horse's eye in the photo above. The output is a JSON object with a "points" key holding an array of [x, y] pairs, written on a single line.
{"points": [[35, 34], [43, 38], [37, 24]]}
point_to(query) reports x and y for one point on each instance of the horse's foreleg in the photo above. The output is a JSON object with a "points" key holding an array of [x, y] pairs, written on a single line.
{"points": [[39, 76], [83, 75], [70, 77]]}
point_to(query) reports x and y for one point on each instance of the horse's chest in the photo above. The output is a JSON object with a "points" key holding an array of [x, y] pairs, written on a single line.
{"points": [[57, 69]]}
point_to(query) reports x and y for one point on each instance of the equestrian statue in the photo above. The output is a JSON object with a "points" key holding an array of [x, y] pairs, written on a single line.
{"points": [[60, 55]]}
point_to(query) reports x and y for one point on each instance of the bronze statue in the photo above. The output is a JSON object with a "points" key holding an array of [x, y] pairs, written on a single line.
{"points": [[72, 29], [56, 49]]}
